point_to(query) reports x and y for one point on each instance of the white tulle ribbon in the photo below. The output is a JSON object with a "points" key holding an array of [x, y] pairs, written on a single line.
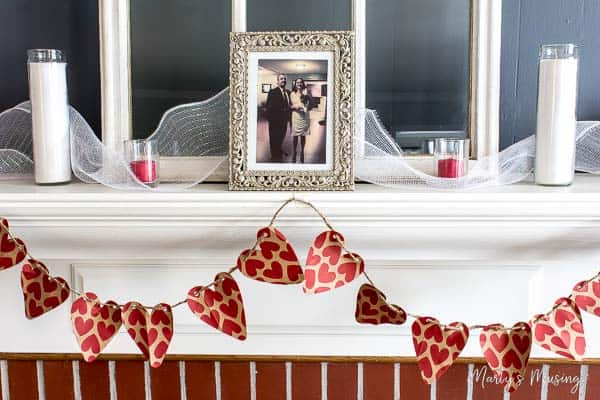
{"points": [[202, 129], [384, 163], [189, 130]]}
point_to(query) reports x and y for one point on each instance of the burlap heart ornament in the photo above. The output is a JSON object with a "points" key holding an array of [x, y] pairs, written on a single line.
{"points": [[373, 308], [41, 292], [275, 260], [561, 331], [437, 346], [507, 352], [587, 296], [12, 251], [221, 307], [151, 332], [328, 266], [94, 324]]}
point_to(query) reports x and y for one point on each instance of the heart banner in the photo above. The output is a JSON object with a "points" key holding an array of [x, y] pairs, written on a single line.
{"points": [[41, 292], [507, 352], [437, 346], [327, 266], [275, 262], [561, 331], [94, 324], [12, 251], [151, 332], [221, 308], [373, 308], [587, 295]]}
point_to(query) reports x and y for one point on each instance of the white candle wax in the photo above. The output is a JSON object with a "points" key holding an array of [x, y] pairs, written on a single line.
{"points": [[50, 122], [556, 122]]}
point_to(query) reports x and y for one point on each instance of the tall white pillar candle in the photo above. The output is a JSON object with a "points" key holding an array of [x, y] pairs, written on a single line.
{"points": [[556, 119], [50, 115]]}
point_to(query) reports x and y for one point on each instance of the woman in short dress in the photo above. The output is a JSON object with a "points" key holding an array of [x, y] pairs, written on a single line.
{"points": [[300, 101]]}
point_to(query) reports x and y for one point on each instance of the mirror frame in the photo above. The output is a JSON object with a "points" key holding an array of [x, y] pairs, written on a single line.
{"points": [[484, 89]]}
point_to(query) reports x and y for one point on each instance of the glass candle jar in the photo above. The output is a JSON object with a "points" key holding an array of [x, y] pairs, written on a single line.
{"points": [[143, 159], [451, 157], [556, 119], [49, 115]]}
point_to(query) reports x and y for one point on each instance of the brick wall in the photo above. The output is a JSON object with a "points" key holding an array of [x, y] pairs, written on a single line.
{"points": [[59, 379]]}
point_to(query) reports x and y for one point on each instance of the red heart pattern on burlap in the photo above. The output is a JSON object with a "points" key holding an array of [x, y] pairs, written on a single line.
{"points": [[587, 296], [41, 292], [507, 352], [94, 324], [373, 308], [221, 308], [561, 331], [274, 262], [437, 346], [12, 251], [151, 332], [327, 266]]}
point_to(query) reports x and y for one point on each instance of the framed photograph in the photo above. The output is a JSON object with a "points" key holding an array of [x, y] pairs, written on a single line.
{"points": [[298, 135]]}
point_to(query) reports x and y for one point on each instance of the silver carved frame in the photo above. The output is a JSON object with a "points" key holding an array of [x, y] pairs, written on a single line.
{"points": [[341, 175]]}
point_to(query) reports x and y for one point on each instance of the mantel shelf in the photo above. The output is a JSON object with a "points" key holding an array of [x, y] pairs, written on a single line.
{"points": [[523, 201]]}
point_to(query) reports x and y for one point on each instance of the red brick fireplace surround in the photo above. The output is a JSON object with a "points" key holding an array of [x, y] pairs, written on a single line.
{"points": [[59, 377]]}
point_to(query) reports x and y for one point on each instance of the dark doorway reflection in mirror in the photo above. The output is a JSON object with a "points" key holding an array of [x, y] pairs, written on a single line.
{"points": [[305, 15], [417, 68], [179, 54]]}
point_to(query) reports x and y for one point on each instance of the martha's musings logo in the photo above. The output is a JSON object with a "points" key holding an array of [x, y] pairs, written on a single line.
{"points": [[484, 376]]}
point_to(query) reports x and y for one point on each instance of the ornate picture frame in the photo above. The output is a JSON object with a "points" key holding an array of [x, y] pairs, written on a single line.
{"points": [[260, 150]]}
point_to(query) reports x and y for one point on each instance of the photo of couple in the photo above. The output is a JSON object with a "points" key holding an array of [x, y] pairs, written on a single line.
{"points": [[291, 111]]}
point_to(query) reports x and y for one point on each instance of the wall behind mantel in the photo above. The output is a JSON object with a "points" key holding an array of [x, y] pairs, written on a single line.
{"points": [[526, 25], [73, 25]]}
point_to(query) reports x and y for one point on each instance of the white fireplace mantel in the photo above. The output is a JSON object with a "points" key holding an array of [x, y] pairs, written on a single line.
{"points": [[495, 255]]}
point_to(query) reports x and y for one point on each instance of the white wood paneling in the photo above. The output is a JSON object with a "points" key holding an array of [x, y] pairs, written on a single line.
{"points": [[498, 255]]}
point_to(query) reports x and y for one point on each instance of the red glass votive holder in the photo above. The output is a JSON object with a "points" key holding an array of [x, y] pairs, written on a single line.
{"points": [[451, 157], [143, 159]]}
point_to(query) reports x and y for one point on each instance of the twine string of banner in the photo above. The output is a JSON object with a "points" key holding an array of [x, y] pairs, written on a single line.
{"points": [[257, 243]]}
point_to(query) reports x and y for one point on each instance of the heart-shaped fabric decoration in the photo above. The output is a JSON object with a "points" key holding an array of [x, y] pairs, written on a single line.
{"points": [[328, 266], [587, 296], [373, 308], [274, 262], [507, 352], [562, 331], [437, 345], [12, 252], [41, 292], [151, 333], [94, 324], [221, 308]]}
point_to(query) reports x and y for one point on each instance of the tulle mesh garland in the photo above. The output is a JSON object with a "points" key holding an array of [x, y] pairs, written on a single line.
{"points": [[189, 130], [202, 129], [15, 142], [383, 162]]}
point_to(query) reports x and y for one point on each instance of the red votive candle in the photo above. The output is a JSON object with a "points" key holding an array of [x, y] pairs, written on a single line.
{"points": [[450, 168], [451, 157], [144, 170], [143, 159]]}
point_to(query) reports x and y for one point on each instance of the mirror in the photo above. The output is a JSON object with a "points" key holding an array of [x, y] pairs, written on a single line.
{"points": [[413, 60], [418, 69], [179, 54], [306, 15]]}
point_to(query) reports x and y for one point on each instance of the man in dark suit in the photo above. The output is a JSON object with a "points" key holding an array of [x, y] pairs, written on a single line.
{"points": [[279, 116]]}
